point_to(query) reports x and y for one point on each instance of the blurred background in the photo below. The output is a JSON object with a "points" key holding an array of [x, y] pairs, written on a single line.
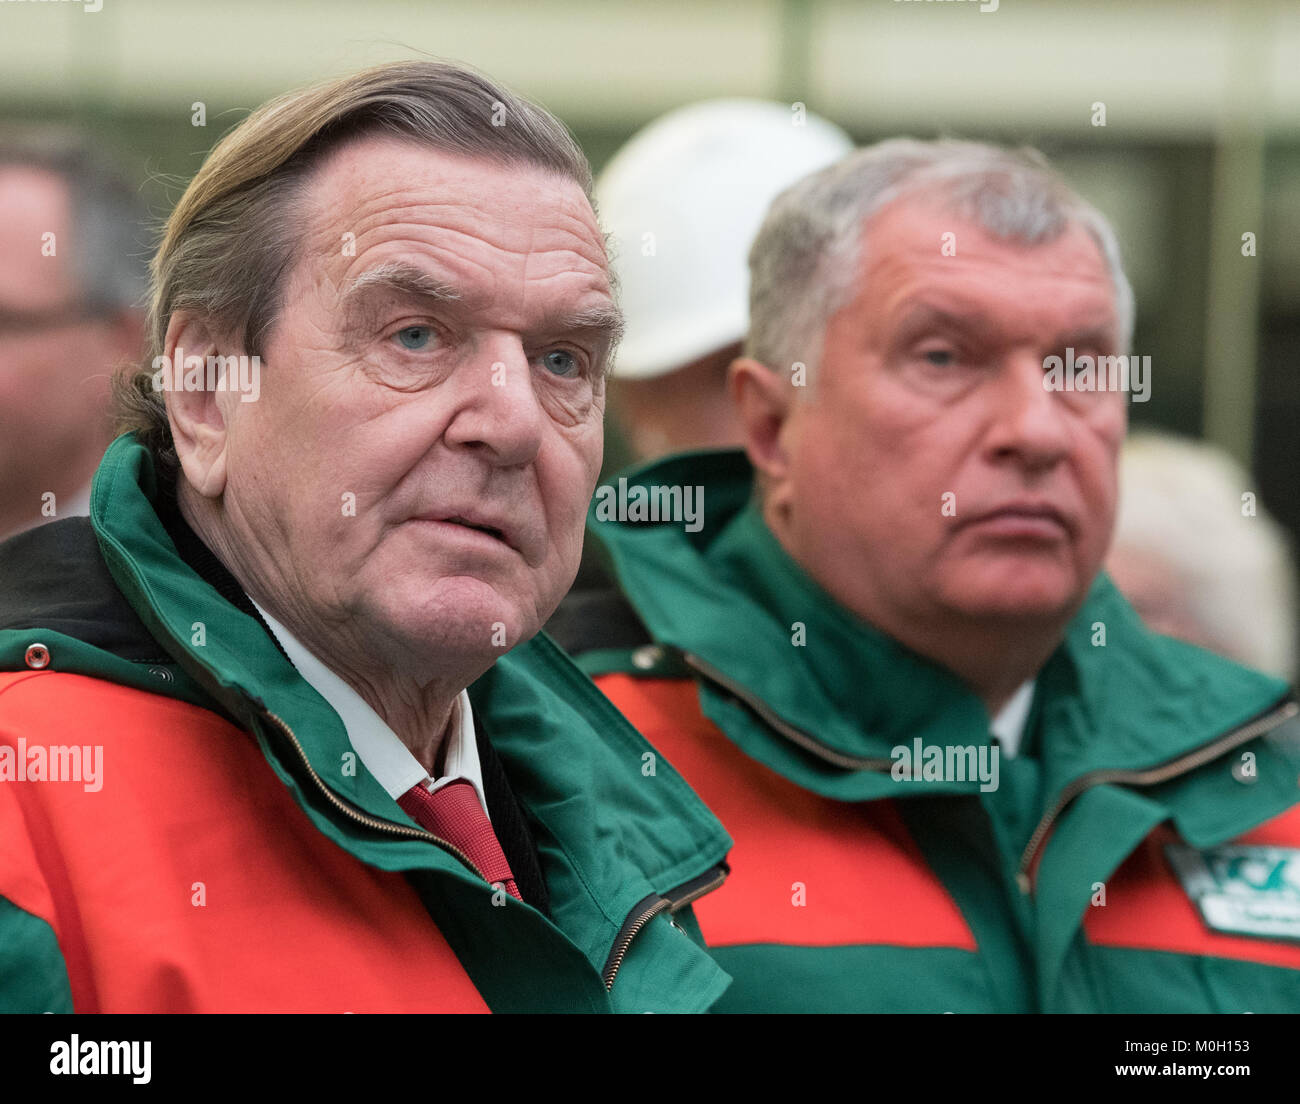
{"points": [[1200, 143]]}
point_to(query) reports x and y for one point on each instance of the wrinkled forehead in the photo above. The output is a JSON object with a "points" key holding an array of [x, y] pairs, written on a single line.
{"points": [[927, 232], [919, 259], [376, 187]]}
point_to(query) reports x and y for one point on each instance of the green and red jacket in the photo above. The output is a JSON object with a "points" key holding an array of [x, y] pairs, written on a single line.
{"points": [[234, 855], [1059, 891]]}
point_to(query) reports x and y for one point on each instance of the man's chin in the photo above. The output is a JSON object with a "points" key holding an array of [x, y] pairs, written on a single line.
{"points": [[1031, 595], [462, 616]]}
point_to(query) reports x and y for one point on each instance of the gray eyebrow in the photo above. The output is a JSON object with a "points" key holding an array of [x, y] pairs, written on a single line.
{"points": [[403, 277], [608, 319]]}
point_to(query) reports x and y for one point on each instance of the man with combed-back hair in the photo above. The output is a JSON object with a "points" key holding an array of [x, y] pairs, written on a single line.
{"points": [[962, 776], [278, 731]]}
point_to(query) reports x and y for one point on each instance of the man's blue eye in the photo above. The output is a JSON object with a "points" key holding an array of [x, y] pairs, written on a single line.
{"points": [[415, 337], [560, 363], [940, 358]]}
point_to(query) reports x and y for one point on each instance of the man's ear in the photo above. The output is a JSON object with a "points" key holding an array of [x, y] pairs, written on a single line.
{"points": [[198, 417], [763, 403]]}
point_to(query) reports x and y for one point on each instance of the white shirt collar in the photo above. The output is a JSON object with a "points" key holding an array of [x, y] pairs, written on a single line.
{"points": [[1009, 725], [379, 748]]}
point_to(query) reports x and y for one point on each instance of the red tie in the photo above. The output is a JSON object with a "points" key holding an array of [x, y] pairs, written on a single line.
{"points": [[454, 814]]}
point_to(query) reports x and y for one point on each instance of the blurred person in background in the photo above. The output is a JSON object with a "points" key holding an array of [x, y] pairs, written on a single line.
{"points": [[961, 774], [73, 256], [682, 201], [1200, 560]]}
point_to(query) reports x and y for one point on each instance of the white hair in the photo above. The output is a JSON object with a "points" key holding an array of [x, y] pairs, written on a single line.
{"points": [[1181, 503], [807, 255]]}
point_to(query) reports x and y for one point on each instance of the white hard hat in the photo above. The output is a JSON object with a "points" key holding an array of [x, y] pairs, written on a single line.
{"points": [[682, 202]]}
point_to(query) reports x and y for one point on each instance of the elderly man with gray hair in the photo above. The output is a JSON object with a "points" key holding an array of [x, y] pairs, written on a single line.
{"points": [[279, 728], [962, 776]]}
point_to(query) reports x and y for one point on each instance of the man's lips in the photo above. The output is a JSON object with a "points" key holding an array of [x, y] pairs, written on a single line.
{"points": [[474, 521], [1032, 520]]}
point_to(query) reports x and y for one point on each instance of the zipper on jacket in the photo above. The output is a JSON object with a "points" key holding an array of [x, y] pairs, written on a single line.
{"points": [[648, 908], [794, 735], [1151, 776], [365, 818], [693, 890], [645, 910]]}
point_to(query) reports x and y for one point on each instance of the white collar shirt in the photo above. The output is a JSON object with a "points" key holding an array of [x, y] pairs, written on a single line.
{"points": [[379, 748], [1009, 725]]}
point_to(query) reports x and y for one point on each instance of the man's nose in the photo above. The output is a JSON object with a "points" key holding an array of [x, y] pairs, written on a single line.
{"points": [[1030, 423], [498, 411]]}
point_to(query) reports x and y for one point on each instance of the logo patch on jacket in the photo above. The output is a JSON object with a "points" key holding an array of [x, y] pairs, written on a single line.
{"points": [[1243, 890]]}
